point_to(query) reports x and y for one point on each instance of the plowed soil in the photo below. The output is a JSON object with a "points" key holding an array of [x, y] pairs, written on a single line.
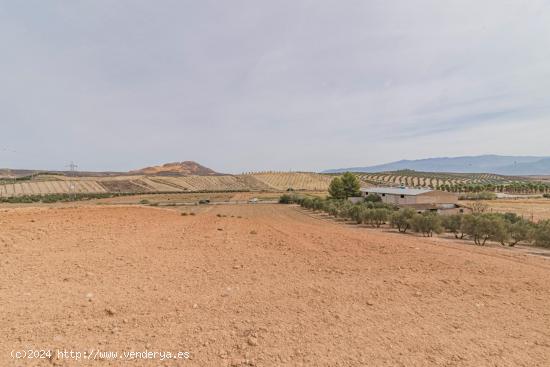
{"points": [[261, 285]]}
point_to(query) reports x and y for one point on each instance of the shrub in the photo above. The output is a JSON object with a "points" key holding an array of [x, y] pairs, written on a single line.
{"points": [[373, 198], [479, 207], [307, 203], [317, 203], [357, 213], [331, 207], [144, 201], [512, 217], [400, 219], [344, 208], [285, 199]]}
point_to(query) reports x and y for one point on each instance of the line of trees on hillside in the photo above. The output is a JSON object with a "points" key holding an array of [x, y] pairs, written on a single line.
{"points": [[510, 188], [506, 229]]}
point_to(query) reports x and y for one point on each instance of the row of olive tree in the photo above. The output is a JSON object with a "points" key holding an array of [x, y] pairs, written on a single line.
{"points": [[507, 229]]}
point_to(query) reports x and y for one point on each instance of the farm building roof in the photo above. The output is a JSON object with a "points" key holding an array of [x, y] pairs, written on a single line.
{"points": [[395, 190]]}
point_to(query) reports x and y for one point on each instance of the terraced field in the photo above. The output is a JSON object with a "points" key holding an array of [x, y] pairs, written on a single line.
{"points": [[294, 180], [456, 182], [51, 187], [265, 181], [151, 184], [413, 178]]}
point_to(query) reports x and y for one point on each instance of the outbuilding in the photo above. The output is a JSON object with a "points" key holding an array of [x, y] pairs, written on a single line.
{"points": [[421, 199]]}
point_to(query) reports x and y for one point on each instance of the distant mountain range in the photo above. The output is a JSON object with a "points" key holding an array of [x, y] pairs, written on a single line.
{"points": [[497, 164]]}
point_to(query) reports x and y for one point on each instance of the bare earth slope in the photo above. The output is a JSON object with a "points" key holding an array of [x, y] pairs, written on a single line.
{"points": [[276, 287], [176, 168]]}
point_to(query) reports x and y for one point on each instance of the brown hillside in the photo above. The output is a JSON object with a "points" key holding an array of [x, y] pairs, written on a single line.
{"points": [[177, 168]]}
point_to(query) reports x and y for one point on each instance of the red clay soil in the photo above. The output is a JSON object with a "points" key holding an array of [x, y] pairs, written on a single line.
{"points": [[275, 287]]}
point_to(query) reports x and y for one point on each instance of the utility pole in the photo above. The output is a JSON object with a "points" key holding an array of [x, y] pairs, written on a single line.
{"points": [[72, 167]]}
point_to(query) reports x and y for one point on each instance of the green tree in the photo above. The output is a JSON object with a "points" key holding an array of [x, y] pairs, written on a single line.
{"points": [[336, 189], [541, 234], [351, 185], [519, 231], [426, 223], [482, 227], [453, 224], [379, 216], [400, 219]]}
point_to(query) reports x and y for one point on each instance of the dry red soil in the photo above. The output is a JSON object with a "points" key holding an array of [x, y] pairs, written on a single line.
{"points": [[270, 286]]}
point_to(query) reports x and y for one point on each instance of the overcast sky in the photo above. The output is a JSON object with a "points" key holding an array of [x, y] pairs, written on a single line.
{"points": [[270, 85]]}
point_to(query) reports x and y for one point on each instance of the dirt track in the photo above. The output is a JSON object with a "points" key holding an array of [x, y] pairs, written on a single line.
{"points": [[275, 287]]}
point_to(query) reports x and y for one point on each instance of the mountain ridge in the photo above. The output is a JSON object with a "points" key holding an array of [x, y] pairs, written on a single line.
{"points": [[176, 168], [489, 163]]}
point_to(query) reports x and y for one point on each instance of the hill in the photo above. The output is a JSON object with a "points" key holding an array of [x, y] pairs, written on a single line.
{"points": [[503, 165], [185, 168]]}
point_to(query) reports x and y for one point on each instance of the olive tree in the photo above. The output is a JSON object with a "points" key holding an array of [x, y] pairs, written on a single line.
{"points": [[453, 224], [426, 223], [401, 219]]}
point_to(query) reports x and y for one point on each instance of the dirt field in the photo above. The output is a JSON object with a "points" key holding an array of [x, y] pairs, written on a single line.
{"points": [[533, 209], [270, 286]]}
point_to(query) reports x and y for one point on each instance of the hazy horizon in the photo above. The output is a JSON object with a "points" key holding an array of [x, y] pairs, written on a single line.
{"points": [[256, 85]]}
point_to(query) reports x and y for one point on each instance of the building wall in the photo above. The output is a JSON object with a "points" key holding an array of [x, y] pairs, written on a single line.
{"points": [[437, 197], [398, 200], [433, 197]]}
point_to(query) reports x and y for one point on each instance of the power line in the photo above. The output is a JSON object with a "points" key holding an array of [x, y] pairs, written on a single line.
{"points": [[72, 166]]}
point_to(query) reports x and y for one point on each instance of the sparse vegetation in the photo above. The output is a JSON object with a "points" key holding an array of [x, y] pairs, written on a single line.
{"points": [[479, 207], [54, 198]]}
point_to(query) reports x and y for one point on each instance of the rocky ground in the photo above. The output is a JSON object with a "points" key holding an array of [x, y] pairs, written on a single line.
{"points": [[261, 285]]}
